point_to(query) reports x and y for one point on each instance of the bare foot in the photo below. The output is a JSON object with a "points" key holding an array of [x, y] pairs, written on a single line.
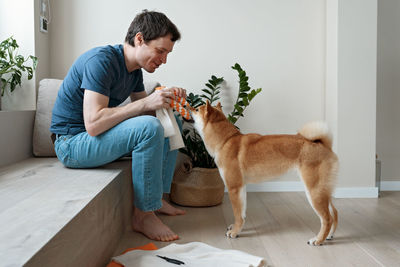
{"points": [[151, 226], [170, 210]]}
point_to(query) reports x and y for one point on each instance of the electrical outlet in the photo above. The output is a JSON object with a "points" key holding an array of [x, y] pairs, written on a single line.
{"points": [[43, 24]]}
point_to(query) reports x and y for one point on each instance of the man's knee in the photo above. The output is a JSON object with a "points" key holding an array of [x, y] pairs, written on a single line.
{"points": [[148, 127], [153, 125]]}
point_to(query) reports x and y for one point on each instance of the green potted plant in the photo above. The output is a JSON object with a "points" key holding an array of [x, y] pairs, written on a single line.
{"points": [[197, 181], [13, 66]]}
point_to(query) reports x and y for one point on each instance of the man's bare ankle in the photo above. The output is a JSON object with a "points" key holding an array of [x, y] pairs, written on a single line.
{"points": [[139, 213]]}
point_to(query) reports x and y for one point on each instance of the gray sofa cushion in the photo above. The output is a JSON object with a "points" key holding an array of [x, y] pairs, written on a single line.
{"points": [[47, 94]]}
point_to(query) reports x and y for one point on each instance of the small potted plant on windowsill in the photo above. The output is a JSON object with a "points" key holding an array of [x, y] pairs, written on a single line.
{"points": [[197, 181], [13, 66]]}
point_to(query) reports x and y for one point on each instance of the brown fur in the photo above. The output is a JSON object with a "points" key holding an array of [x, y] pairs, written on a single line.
{"points": [[253, 158]]}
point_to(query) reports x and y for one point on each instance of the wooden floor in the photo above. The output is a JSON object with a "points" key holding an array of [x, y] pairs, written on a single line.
{"points": [[278, 226]]}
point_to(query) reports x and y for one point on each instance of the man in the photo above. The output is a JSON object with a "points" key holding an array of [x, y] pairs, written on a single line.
{"points": [[91, 129]]}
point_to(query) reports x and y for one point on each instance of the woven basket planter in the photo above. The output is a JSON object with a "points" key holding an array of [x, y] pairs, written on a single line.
{"points": [[196, 187]]}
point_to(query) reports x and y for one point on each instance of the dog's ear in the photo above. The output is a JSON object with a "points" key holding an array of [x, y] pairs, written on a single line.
{"points": [[208, 106], [218, 106]]}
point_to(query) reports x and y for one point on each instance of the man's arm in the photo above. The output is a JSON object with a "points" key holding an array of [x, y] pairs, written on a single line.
{"points": [[98, 117], [140, 95]]}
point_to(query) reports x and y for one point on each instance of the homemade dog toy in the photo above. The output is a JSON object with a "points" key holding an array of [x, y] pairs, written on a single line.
{"points": [[180, 105], [168, 121]]}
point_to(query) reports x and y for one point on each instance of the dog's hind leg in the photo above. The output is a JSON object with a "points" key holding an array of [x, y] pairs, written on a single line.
{"points": [[318, 182], [237, 195], [335, 220], [320, 203]]}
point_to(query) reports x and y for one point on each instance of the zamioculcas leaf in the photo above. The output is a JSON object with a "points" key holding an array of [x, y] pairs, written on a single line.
{"points": [[244, 98], [210, 86], [206, 91]]}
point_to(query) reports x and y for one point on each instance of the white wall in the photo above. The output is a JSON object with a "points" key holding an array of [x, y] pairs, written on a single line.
{"points": [[42, 48], [388, 89], [17, 19], [356, 92]]}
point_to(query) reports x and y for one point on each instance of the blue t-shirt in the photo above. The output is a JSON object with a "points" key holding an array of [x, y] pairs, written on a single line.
{"points": [[101, 70]]}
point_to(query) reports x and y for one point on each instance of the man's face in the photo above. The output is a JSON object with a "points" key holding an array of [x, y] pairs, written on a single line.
{"points": [[154, 53]]}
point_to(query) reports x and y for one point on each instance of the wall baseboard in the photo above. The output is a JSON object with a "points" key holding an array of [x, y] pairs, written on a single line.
{"points": [[390, 185], [356, 192], [340, 192], [276, 187]]}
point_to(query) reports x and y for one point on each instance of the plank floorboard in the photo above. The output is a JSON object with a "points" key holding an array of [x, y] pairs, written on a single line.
{"points": [[278, 226]]}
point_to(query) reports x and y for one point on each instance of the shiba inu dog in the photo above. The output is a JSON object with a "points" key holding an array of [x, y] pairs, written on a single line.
{"points": [[252, 158]]}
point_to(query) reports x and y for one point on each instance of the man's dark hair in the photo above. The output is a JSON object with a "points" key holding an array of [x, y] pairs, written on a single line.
{"points": [[152, 25]]}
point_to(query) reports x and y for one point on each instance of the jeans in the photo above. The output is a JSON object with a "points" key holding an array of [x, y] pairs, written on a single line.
{"points": [[153, 163]]}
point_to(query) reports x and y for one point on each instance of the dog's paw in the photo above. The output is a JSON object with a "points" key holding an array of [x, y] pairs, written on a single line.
{"points": [[231, 234], [314, 242], [230, 227], [330, 237]]}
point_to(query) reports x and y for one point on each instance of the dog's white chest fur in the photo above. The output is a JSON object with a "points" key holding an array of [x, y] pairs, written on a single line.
{"points": [[199, 126]]}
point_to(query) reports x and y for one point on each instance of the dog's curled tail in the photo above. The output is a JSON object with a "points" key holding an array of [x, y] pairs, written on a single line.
{"points": [[317, 131]]}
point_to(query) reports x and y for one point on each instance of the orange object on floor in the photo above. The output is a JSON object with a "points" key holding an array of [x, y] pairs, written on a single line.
{"points": [[149, 246]]}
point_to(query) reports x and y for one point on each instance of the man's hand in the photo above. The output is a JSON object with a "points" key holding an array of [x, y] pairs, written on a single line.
{"points": [[162, 98], [181, 92]]}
